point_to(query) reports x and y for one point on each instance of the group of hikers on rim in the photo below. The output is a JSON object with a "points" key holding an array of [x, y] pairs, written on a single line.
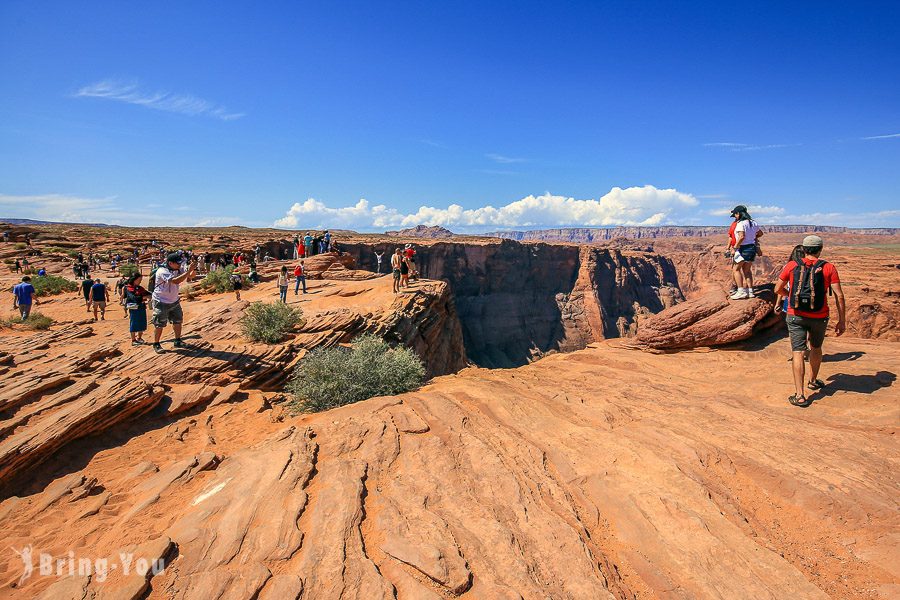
{"points": [[804, 285]]}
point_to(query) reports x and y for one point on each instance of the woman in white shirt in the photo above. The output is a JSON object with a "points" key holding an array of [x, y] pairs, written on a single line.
{"points": [[283, 284], [746, 235]]}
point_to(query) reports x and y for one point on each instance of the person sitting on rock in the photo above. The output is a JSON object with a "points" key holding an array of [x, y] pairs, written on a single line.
{"points": [[166, 301], [809, 282], [746, 234]]}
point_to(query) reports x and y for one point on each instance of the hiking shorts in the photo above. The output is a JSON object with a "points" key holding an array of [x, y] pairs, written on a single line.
{"points": [[101, 304], [747, 252], [803, 328], [397, 274], [163, 313]]}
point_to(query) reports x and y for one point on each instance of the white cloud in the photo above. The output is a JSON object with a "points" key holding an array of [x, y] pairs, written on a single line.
{"points": [[882, 137], [645, 205], [75, 209], [131, 93], [505, 160], [739, 147]]}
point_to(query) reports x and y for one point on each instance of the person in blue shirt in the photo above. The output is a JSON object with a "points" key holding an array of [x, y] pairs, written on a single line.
{"points": [[99, 298], [24, 297]]}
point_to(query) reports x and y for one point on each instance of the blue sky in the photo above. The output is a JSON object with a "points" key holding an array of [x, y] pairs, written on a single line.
{"points": [[475, 115]]}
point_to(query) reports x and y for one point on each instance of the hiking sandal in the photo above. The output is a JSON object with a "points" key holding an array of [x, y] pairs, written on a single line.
{"points": [[818, 384], [797, 400]]}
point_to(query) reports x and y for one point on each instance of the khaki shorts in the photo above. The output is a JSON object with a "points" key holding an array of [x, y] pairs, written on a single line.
{"points": [[163, 313], [100, 305]]}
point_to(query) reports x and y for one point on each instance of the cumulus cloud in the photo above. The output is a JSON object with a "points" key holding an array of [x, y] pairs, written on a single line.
{"points": [[645, 205], [131, 93]]}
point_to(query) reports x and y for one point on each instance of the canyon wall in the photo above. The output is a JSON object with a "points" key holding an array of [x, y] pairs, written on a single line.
{"points": [[518, 301]]}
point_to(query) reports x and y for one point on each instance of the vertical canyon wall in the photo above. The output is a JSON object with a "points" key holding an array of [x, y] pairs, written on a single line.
{"points": [[518, 301]]}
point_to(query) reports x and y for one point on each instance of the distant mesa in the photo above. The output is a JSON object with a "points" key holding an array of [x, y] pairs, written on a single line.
{"points": [[583, 235], [34, 222], [422, 231]]}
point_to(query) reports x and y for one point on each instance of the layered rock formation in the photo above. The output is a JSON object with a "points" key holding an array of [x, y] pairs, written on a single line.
{"points": [[711, 320], [518, 301], [555, 480], [85, 379]]}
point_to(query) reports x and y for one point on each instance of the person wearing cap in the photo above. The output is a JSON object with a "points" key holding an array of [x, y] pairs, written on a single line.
{"points": [[809, 280], [746, 235], [166, 301]]}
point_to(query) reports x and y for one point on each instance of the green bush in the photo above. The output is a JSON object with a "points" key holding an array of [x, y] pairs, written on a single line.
{"points": [[218, 281], [332, 377], [72, 253], [269, 323], [127, 270], [21, 245], [48, 285], [35, 320]]}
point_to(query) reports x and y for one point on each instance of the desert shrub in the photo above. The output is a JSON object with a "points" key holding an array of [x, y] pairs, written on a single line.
{"points": [[48, 285], [21, 245], [72, 253], [128, 270], [35, 320], [332, 377], [218, 281], [269, 323]]}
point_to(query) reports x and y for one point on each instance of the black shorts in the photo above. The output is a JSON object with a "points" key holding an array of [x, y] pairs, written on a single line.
{"points": [[236, 286], [806, 328]]}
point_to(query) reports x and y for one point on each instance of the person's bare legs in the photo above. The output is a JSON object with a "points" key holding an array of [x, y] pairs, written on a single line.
{"points": [[177, 328], [798, 367], [157, 334], [738, 273], [95, 311], [815, 361], [747, 268]]}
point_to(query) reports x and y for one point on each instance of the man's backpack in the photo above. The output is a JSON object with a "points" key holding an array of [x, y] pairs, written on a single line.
{"points": [[808, 287], [151, 283]]}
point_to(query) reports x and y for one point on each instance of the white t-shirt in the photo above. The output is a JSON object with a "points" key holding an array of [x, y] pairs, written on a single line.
{"points": [[164, 290], [750, 230]]}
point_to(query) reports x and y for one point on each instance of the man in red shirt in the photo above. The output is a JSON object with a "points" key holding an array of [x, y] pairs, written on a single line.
{"points": [[807, 318]]}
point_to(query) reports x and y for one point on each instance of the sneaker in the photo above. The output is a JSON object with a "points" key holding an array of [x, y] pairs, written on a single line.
{"points": [[739, 295], [135, 343], [178, 343], [157, 347], [750, 294]]}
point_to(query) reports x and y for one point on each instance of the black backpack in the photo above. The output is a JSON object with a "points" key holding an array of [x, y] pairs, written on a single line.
{"points": [[151, 283], [808, 287]]}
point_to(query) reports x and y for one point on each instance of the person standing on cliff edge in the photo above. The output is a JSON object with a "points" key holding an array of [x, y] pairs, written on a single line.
{"points": [[746, 246], [810, 280]]}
